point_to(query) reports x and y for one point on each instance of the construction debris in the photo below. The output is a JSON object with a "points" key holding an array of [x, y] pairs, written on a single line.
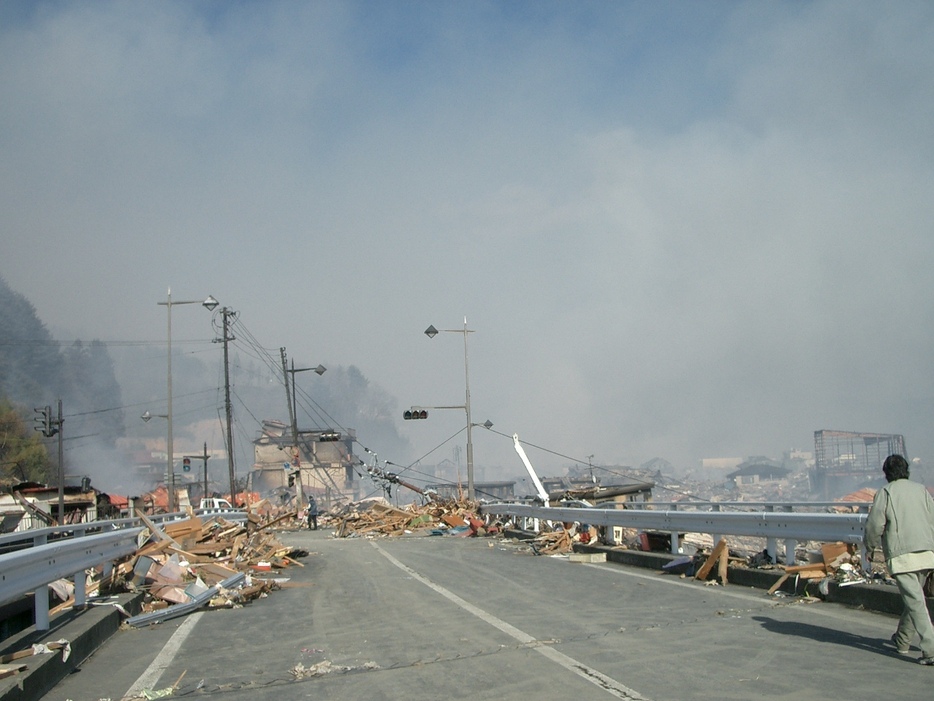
{"points": [[720, 557], [839, 562], [377, 517], [8, 670], [199, 562]]}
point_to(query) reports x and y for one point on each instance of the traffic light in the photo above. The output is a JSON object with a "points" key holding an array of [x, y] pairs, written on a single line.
{"points": [[328, 436], [415, 414], [44, 421], [186, 464]]}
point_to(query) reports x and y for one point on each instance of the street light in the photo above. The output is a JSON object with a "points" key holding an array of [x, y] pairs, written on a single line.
{"points": [[320, 370], [431, 332], [210, 303]]}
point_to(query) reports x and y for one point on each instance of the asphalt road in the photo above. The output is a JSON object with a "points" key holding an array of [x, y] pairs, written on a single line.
{"points": [[446, 617]]}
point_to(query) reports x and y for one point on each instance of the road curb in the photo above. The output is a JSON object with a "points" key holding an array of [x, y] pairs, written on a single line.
{"points": [[881, 598], [85, 630]]}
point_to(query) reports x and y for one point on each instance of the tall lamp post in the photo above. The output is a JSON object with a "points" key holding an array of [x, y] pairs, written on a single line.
{"points": [[431, 332], [293, 419], [210, 303]]}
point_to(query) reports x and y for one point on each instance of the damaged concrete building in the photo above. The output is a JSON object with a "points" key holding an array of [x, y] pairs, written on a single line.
{"points": [[320, 461]]}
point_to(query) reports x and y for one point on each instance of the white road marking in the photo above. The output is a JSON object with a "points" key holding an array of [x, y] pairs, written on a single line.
{"points": [[608, 684], [150, 677]]}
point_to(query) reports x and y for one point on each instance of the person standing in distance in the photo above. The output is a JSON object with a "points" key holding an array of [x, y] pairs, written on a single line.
{"points": [[312, 513], [901, 520]]}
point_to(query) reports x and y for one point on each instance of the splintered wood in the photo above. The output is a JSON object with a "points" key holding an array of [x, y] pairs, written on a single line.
{"points": [[720, 555], [376, 517], [179, 560], [554, 543], [834, 557]]}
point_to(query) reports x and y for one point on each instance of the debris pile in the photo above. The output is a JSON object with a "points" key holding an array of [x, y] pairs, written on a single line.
{"points": [[561, 540], [377, 517], [839, 562], [187, 562]]}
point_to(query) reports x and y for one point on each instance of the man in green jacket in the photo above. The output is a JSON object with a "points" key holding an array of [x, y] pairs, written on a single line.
{"points": [[901, 520]]}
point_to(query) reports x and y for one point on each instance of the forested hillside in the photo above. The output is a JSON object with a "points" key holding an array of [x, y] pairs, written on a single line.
{"points": [[103, 388], [35, 371]]}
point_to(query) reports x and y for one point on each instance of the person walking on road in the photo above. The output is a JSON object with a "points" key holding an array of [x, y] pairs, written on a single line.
{"points": [[312, 513], [901, 520]]}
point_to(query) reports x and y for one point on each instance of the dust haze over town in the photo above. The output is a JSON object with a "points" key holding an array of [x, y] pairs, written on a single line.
{"points": [[676, 230]]}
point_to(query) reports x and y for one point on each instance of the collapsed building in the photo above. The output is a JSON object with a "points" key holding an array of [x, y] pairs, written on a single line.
{"points": [[315, 461]]}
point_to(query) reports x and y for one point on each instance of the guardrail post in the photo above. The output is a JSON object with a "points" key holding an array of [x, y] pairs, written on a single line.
{"points": [[790, 546], [81, 580], [771, 547], [675, 544], [716, 536], [41, 606]]}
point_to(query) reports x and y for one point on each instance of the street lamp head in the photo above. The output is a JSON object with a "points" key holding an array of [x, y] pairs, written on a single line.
{"points": [[210, 303], [320, 369], [431, 331], [146, 415], [487, 424]]}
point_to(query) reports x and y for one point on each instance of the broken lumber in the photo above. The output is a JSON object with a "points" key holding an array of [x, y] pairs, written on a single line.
{"points": [[718, 552]]}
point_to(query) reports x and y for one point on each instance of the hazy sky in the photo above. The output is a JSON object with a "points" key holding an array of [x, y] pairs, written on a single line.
{"points": [[686, 229]]}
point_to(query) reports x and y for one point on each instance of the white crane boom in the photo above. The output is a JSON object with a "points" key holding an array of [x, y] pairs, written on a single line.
{"points": [[542, 494]]}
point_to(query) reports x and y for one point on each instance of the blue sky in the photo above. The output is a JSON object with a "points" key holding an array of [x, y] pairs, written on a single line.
{"points": [[678, 229]]}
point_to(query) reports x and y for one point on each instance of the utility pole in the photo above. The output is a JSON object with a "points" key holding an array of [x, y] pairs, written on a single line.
{"points": [[49, 427], [293, 420], [61, 466], [227, 313], [204, 457]]}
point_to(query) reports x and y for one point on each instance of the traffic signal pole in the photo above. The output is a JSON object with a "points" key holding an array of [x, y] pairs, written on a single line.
{"points": [[61, 466]]}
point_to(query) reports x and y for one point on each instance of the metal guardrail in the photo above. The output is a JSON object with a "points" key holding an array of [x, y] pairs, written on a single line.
{"points": [[773, 526], [37, 536], [32, 569], [31, 560], [25, 570], [793, 506], [177, 610]]}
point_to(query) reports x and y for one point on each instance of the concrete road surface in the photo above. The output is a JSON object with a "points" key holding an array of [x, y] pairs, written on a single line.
{"points": [[465, 618]]}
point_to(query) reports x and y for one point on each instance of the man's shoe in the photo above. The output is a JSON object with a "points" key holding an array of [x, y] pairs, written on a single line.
{"points": [[927, 661]]}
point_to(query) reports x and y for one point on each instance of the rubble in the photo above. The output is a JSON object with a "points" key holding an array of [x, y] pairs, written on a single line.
{"points": [[839, 562], [377, 517], [207, 561]]}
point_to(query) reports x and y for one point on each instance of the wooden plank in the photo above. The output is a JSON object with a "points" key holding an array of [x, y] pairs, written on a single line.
{"points": [[34, 510], [712, 560], [155, 530], [10, 670], [28, 652], [781, 580], [724, 564], [811, 567], [833, 551], [183, 529]]}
